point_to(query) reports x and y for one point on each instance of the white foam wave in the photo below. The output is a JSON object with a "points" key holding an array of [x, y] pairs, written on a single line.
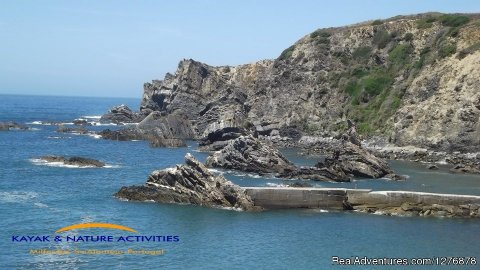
{"points": [[320, 210], [276, 185], [46, 123], [37, 123], [254, 175], [91, 116], [17, 196], [108, 166], [98, 124], [215, 171], [40, 205], [58, 137], [96, 136]]}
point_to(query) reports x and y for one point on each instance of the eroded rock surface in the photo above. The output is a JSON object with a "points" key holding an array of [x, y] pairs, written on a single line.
{"points": [[190, 183], [160, 130], [121, 114]]}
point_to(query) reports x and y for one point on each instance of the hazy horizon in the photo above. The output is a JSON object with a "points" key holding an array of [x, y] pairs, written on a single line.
{"points": [[110, 48]]}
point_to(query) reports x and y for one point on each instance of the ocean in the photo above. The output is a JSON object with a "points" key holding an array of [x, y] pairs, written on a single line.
{"points": [[36, 199]]}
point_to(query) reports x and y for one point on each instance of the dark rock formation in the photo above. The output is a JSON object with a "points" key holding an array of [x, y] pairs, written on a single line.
{"points": [[432, 167], [219, 138], [121, 114], [73, 130], [162, 131], [354, 160], [5, 126], [461, 168], [81, 122], [191, 183], [249, 154], [76, 161]]}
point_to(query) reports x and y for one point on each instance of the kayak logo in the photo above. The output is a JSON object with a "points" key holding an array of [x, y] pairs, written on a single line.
{"points": [[95, 225], [94, 238]]}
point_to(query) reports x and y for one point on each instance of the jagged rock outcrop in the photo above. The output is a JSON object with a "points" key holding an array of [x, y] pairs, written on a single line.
{"points": [[160, 130], [410, 79], [121, 114], [249, 154], [191, 183], [354, 160], [219, 138], [5, 126], [75, 161]]}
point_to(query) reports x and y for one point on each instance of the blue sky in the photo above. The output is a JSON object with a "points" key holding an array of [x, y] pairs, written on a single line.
{"points": [[110, 48]]}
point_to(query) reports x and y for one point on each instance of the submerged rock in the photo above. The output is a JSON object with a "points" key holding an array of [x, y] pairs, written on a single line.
{"points": [[5, 126], [81, 122], [160, 130], [74, 130], [191, 183], [76, 161], [121, 114]]}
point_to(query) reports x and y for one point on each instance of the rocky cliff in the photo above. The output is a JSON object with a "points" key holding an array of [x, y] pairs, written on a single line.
{"points": [[412, 80]]}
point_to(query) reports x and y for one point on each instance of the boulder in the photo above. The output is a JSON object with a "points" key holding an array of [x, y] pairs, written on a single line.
{"points": [[76, 161], [121, 114], [190, 183]]}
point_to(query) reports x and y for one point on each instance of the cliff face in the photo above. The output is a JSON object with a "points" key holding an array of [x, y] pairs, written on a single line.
{"points": [[413, 80]]}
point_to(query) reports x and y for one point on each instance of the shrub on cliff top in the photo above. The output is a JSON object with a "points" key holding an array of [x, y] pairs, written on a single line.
{"points": [[426, 22], [453, 20], [408, 37], [362, 52], [320, 33], [376, 83], [381, 38], [287, 53], [400, 55], [447, 49]]}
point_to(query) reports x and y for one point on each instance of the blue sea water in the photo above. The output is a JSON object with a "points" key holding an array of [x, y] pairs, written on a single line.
{"points": [[38, 200]]}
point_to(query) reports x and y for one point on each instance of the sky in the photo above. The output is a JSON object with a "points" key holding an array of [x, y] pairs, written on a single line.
{"points": [[110, 48]]}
